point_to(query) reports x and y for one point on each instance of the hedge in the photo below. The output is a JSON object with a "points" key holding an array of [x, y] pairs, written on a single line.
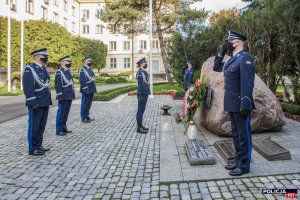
{"points": [[110, 94], [290, 108]]}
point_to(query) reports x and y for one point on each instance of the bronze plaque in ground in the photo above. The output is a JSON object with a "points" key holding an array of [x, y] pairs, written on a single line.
{"points": [[270, 150], [226, 149], [198, 153]]}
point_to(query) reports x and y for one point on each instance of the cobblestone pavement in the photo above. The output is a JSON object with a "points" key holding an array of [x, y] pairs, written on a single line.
{"points": [[107, 159]]}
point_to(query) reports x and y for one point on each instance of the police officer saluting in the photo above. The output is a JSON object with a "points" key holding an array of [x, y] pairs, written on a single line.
{"points": [[143, 91], [36, 84], [188, 76], [64, 94], [87, 88], [239, 74]]}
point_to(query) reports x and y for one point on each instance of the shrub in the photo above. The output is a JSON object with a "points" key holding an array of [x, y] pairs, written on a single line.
{"points": [[112, 80], [290, 108], [100, 79], [104, 75], [126, 74], [16, 75], [110, 94]]}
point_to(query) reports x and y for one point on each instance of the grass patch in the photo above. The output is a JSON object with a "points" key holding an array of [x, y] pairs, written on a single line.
{"points": [[4, 92], [110, 94], [166, 86]]}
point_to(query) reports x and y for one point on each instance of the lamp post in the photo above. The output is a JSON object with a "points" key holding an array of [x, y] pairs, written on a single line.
{"points": [[150, 49], [8, 49]]}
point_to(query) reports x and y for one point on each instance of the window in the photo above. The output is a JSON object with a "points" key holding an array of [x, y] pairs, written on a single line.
{"points": [[65, 5], [29, 6], [112, 45], [13, 5], [112, 29], [155, 44], [126, 62], [126, 45], [113, 63], [143, 44], [99, 29], [85, 29], [55, 2], [73, 27], [98, 13], [66, 23], [44, 13], [85, 14], [73, 11], [55, 17]]}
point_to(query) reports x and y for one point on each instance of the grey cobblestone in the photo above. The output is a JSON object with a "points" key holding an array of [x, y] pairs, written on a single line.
{"points": [[101, 161]]}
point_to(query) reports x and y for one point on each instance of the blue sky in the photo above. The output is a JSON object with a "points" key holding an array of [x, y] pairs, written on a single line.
{"points": [[217, 5]]}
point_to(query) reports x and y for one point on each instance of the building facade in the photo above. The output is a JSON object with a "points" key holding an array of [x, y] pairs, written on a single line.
{"points": [[82, 17]]}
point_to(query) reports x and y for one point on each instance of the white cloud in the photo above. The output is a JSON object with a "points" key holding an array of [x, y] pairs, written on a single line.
{"points": [[217, 5]]}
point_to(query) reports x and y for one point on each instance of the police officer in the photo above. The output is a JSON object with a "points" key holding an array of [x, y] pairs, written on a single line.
{"points": [[239, 74], [87, 88], [64, 94], [188, 76], [143, 91], [36, 84]]}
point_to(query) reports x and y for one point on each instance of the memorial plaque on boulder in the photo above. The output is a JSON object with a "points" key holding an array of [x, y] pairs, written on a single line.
{"points": [[226, 149], [198, 153], [270, 150]]}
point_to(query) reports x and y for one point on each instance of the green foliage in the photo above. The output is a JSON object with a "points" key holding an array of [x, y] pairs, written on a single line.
{"points": [[105, 75], [58, 41], [167, 87], [100, 79], [113, 80], [110, 94], [16, 75], [126, 74], [290, 108]]}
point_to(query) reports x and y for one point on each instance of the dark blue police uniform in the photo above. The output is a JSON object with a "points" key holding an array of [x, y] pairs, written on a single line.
{"points": [[64, 94], [87, 88], [188, 77], [239, 75], [143, 91], [36, 84]]}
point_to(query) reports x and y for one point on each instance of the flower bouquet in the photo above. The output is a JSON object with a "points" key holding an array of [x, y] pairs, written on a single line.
{"points": [[193, 99]]}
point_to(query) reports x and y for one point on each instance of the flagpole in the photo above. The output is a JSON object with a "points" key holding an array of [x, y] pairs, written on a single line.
{"points": [[22, 52], [8, 49], [150, 49]]}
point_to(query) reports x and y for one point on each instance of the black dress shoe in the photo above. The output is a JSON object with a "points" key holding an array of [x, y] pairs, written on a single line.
{"points": [[238, 172], [36, 152], [61, 134], [86, 121], [44, 149], [142, 131], [231, 166], [91, 119], [147, 129], [67, 131]]}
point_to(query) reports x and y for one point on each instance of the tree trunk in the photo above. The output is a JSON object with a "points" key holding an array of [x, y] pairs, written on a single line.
{"points": [[164, 55]]}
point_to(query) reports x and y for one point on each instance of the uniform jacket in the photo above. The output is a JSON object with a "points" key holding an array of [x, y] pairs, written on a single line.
{"points": [[36, 84], [64, 85], [239, 75], [143, 82], [188, 78], [87, 80]]}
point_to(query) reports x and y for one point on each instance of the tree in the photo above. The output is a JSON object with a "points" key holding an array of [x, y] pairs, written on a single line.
{"points": [[165, 14]]}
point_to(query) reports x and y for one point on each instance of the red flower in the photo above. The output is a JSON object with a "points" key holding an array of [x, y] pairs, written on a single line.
{"points": [[198, 83], [193, 105]]}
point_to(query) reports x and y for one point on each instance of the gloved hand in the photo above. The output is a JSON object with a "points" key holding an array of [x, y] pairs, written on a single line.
{"points": [[245, 113], [222, 49], [35, 107]]}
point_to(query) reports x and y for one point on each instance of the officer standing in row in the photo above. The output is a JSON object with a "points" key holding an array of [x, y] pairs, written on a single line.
{"points": [[188, 76], [64, 94], [143, 91], [239, 74], [36, 84], [87, 88]]}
